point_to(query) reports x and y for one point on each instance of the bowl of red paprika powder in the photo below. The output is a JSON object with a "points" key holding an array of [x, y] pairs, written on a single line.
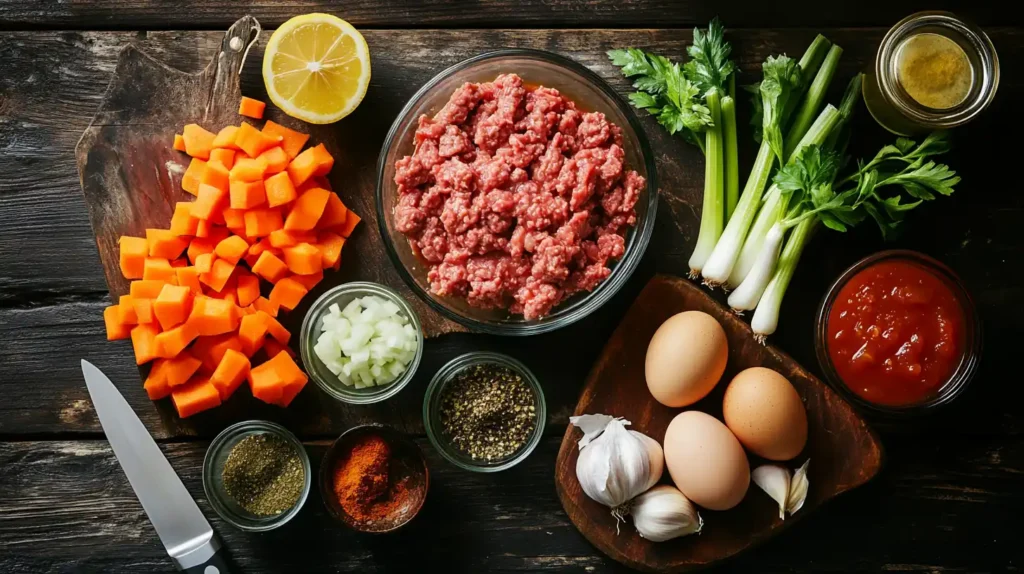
{"points": [[374, 479]]}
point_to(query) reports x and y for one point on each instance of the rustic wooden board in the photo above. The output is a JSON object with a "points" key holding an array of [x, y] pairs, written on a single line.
{"points": [[844, 452], [131, 177]]}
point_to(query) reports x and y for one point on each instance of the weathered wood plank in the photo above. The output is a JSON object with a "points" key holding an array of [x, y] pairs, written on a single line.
{"points": [[162, 14], [950, 507], [51, 283]]}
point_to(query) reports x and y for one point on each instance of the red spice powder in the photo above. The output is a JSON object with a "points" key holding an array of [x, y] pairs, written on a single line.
{"points": [[364, 484]]}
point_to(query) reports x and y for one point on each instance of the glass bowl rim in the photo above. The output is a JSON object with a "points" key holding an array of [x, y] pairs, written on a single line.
{"points": [[445, 374], [624, 268], [245, 428], [306, 335], [957, 382], [331, 455]]}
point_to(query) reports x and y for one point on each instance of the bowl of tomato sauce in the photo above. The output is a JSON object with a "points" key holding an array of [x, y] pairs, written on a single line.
{"points": [[897, 333]]}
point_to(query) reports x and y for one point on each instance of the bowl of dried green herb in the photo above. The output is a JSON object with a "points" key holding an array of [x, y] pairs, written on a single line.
{"points": [[256, 475], [484, 412]]}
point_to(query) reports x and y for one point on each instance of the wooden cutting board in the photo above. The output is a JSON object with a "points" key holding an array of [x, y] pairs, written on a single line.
{"points": [[131, 176], [844, 452]]}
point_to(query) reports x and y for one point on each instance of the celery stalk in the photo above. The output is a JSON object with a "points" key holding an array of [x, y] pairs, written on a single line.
{"points": [[812, 102], [712, 217]]}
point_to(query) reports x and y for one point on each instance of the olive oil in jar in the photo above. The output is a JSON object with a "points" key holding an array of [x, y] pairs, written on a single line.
{"points": [[934, 70]]}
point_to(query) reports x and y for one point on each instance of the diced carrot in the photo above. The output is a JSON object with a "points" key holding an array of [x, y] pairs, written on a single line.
{"points": [[280, 189], [156, 383], [231, 249], [163, 243], [284, 238], [179, 262], [270, 267], [180, 369], [126, 314], [212, 316], [252, 330], [251, 108], [189, 277], [234, 218], [223, 156], [204, 227], [215, 175], [335, 213], [172, 306], [330, 245], [324, 160], [290, 392], [275, 159], [199, 246], [204, 263], [182, 222], [247, 194], [287, 293], [302, 167], [210, 350], [252, 141], [198, 142], [261, 245], [267, 306], [196, 396], [232, 370], [179, 142], [246, 169], [219, 274], [269, 380], [157, 269], [271, 347], [311, 280], [134, 251], [144, 342], [115, 328], [261, 222], [171, 343], [291, 140], [144, 310], [351, 220], [226, 138], [248, 289], [307, 210], [303, 259], [145, 289], [209, 202], [190, 180]]}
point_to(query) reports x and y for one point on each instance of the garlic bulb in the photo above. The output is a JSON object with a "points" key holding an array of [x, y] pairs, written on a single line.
{"points": [[663, 513], [615, 464], [773, 479], [789, 491]]}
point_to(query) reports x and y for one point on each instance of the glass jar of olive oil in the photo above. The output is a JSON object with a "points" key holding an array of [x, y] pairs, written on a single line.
{"points": [[932, 71]]}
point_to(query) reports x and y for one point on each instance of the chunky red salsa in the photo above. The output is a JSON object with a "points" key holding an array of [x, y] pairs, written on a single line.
{"points": [[894, 333]]}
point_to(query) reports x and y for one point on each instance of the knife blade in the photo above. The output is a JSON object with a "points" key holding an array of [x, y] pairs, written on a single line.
{"points": [[181, 526]]}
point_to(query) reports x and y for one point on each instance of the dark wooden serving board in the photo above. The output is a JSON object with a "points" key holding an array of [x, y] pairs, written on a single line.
{"points": [[131, 176], [844, 452]]}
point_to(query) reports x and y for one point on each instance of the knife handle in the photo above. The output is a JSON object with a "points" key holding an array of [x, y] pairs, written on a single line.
{"points": [[215, 564]]}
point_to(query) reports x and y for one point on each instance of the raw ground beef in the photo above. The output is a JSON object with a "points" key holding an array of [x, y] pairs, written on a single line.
{"points": [[515, 198]]}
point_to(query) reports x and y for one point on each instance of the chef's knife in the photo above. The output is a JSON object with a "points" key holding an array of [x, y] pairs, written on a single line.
{"points": [[184, 531]]}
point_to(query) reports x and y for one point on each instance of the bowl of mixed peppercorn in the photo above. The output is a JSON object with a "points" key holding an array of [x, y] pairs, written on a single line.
{"points": [[484, 412]]}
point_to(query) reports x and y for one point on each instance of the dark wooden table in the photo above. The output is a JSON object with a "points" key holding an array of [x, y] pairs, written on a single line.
{"points": [[951, 496]]}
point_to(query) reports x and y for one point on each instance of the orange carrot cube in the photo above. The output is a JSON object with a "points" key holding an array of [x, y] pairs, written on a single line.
{"points": [[252, 141], [261, 222], [288, 293], [269, 267], [163, 243], [303, 259], [247, 194], [291, 140], [198, 141], [144, 343], [115, 328], [251, 108], [172, 306], [132, 261], [196, 396], [307, 210]]}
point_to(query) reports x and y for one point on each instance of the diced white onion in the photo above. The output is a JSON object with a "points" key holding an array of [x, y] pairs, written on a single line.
{"points": [[367, 343]]}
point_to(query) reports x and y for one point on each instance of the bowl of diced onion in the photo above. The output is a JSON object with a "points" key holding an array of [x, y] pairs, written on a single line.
{"points": [[361, 342]]}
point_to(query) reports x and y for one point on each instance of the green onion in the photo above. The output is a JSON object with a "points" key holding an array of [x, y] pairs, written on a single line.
{"points": [[713, 211]]}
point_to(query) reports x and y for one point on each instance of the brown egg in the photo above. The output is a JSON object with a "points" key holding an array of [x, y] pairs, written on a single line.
{"points": [[766, 414], [706, 461], [686, 358]]}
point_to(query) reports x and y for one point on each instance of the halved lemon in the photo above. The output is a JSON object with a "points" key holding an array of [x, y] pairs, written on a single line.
{"points": [[316, 68]]}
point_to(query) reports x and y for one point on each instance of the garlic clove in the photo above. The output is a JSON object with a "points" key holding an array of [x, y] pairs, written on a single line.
{"points": [[663, 513], [615, 465], [774, 479], [798, 489], [656, 457]]}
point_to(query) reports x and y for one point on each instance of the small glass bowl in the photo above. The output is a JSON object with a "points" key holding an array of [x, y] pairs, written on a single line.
{"points": [[407, 462], [591, 93], [972, 342], [432, 408], [321, 375], [213, 485]]}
